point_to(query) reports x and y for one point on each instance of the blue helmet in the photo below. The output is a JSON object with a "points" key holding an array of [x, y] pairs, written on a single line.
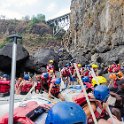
{"points": [[85, 79], [58, 81], [26, 77], [101, 92], [87, 66], [5, 76], [67, 65], [45, 75], [66, 113]]}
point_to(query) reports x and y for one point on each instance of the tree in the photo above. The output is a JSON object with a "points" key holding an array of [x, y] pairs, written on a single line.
{"points": [[41, 17], [38, 18]]}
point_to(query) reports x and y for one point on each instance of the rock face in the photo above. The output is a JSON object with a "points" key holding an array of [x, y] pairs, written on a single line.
{"points": [[6, 56], [96, 30], [64, 57], [41, 59]]}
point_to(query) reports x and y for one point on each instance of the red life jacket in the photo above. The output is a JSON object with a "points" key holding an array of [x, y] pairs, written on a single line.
{"points": [[81, 100], [4, 86], [99, 113], [86, 73], [50, 67], [20, 113], [55, 89], [115, 85], [26, 87], [65, 72], [38, 86]]}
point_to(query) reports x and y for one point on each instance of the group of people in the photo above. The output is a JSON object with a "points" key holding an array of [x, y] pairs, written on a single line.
{"points": [[49, 83]]}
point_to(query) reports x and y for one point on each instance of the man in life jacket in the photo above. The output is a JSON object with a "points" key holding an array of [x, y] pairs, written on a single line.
{"points": [[95, 68], [50, 66], [97, 106], [26, 84], [54, 89], [65, 75], [113, 82], [38, 85], [5, 77], [73, 75], [18, 85], [45, 81], [102, 93], [51, 74]]}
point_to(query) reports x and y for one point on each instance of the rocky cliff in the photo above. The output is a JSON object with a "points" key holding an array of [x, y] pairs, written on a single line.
{"points": [[96, 30]]}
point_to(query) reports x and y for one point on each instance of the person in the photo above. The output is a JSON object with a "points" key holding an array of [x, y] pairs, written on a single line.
{"points": [[95, 68], [38, 85], [113, 82], [54, 89], [65, 75], [5, 77], [66, 113], [45, 81], [18, 85], [50, 66], [27, 83], [109, 121], [51, 74]]}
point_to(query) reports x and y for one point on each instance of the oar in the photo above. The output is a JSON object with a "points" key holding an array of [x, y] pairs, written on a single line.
{"points": [[29, 92], [110, 114], [85, 93], [57, 100], [94, 75]]}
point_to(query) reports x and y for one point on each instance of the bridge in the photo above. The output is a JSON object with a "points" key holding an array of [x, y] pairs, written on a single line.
{"points": [[59, 23]]}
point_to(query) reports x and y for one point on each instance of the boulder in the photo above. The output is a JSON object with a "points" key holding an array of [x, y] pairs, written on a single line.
{"points": [[41, 58], [6, 56]]}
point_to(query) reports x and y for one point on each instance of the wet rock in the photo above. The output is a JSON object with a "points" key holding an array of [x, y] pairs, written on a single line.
{"points": [[6, 56]]}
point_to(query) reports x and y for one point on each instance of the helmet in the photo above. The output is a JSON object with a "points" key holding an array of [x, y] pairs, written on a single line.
{"points": [[67, 65], [79, 65], [94, 66], [112, 76], [101, 92], [26, 77], [5, 76], [57, 81], [99, 80], [85, 79], [120, 74], [87, 66], [50, 61], [45, 75], [66, 113]]}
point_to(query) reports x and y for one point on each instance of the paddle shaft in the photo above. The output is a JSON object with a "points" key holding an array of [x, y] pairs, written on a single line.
{"points": [[85, 93]]}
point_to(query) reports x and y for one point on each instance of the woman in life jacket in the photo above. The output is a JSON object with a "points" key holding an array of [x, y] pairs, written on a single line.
{"points": [[45, 81], [54, 89], [27, 83]]}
